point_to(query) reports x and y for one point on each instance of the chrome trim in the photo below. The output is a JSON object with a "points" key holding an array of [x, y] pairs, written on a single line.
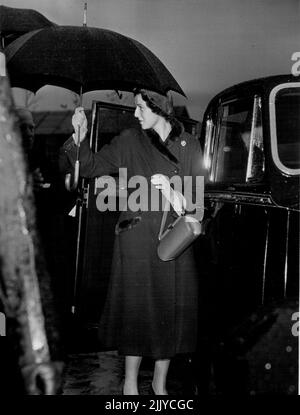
{"points": [[286, 253], [208, 144], [265, 261], [247, 198], [215, 143], [273, 135], [256, 140], [253, 124]]}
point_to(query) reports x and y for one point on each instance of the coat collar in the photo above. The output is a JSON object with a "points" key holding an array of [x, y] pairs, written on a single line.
{"points": [[165, 147]]}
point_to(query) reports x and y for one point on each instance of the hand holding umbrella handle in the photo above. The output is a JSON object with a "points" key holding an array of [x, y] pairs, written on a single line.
{"points": [[73, 186]]}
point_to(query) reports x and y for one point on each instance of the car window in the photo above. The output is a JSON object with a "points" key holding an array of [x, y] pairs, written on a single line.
{"points": [[239, 157], [287, 118]]}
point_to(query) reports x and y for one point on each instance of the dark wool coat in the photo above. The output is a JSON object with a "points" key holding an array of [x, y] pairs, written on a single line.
{"points": [[152, 306]]}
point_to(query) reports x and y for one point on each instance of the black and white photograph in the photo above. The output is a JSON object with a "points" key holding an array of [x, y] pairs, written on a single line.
{"points": [[149, 200]]}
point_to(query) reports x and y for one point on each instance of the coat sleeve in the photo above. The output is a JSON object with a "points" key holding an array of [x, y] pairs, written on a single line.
{"points": [[108, 160], [195, 199]]}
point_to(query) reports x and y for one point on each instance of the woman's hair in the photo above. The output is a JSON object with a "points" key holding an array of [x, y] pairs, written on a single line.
{"points": [[160, 104]]}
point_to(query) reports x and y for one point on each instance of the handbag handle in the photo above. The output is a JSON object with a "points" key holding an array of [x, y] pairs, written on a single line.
{"points": [[164, 218]]}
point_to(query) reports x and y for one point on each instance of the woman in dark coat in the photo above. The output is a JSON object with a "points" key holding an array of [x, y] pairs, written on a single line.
{"points": [[151, 308]]}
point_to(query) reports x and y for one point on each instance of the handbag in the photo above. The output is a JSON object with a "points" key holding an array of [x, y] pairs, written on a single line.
{"points": [[177, 237]]}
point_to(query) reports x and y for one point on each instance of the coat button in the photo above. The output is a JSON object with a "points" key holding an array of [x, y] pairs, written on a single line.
{"points": [[175, 171]]}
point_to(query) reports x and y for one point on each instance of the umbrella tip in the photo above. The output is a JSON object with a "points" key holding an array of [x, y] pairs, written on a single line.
{"points": [[84, 14]]}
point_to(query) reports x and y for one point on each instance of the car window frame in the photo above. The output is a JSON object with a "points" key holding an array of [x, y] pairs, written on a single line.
{"points": [[212, 140], [273, 131]]}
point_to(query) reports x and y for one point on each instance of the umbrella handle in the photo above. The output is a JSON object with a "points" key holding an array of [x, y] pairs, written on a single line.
{"points": [[72, 186]]}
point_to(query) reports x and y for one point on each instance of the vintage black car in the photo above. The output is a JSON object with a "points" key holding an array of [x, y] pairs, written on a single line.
{"points": [[250, 253]]}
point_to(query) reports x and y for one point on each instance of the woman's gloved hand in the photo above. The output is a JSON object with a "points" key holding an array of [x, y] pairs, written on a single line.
{"points": [[176, 199], [79, 123]]}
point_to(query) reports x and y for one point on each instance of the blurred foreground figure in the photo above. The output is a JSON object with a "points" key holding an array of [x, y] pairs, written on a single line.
{"points": [[56, 238], [29, 367], [27, 128]]}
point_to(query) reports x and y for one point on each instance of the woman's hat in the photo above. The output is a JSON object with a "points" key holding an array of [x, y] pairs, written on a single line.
{"points": [[162, 102]]}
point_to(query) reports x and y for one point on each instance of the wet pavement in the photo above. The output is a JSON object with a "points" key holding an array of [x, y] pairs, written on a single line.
{"points": [[102, 373], [91, 371], [261, 360]]}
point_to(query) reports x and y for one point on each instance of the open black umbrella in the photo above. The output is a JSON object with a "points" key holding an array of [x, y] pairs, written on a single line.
{"points": [[15, 22], [85, 59]]}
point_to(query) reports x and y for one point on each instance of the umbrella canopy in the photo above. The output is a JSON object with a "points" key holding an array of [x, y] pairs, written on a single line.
{"points": [[90, 58], [15, 22]]}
